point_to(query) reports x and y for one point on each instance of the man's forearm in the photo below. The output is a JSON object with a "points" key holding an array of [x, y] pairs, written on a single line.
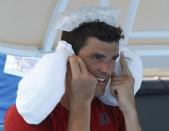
{"points": [[132, 122], [79, 117]]}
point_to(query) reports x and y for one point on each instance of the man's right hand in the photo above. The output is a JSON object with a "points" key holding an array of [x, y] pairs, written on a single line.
{"points": [[83, 84], [81, 90]]}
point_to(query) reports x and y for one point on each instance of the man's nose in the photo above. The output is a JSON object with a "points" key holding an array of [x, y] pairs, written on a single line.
{"points": [[107, 67]]}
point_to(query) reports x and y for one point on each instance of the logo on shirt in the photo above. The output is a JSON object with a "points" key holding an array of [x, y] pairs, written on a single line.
{"points": [[104, 118]]}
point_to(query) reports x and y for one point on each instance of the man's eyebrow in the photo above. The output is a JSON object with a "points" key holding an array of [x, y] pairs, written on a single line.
{"points": [[98, 55]]}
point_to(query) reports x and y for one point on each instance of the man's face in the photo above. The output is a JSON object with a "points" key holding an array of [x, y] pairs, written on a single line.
{"points": [[99, 57]]}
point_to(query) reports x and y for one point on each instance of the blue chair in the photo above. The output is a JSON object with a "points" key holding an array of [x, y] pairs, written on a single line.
{"points": [[1, 127]]}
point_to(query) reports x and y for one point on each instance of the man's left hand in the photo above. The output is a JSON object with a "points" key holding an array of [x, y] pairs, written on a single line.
{"points": [[122, 87]]}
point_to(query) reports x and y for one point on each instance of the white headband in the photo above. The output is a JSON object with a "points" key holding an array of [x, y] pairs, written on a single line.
{"points": [[74, 19]]}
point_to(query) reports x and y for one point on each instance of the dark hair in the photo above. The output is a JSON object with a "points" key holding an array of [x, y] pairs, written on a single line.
{"points": [[97, 29]]}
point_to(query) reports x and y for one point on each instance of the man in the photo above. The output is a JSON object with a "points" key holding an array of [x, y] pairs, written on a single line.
{"points": [[96, 47]]}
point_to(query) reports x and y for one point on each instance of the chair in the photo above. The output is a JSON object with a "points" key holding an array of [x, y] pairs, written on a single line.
{"points": [[152, 103]]}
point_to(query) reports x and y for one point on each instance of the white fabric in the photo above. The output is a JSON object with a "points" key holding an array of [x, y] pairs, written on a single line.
{"points": [[41, 90], [74, 19]]}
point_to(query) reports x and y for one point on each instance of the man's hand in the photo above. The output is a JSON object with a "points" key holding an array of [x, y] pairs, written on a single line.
{"points": [[83, 84], [122, 87], [82, 90]]}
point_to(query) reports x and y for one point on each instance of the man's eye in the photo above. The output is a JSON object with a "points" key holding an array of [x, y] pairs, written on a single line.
{"points": [[97, 57]]}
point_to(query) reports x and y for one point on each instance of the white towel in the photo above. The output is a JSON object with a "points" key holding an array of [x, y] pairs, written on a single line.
{"points": [[42, 88]]}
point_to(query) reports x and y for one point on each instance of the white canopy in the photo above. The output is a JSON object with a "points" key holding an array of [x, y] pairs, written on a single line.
{"points": [[27, 27]]}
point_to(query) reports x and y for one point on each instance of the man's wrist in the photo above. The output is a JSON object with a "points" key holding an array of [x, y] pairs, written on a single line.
{"points": [[130, 112], [79, 105], [79, 116], [132, 121]]}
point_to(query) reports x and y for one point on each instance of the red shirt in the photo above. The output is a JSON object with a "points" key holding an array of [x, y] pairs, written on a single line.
{"points": [[103, 118]]}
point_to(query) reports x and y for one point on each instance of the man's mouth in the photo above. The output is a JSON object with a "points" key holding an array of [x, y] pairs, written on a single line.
{"points": [[101, 79]]}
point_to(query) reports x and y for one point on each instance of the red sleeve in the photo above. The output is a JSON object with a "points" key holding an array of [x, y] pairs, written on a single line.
{"points": [[14, 122]]}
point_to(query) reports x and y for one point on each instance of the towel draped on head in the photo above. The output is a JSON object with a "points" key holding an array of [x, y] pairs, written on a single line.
{"points": [[42, 88]]}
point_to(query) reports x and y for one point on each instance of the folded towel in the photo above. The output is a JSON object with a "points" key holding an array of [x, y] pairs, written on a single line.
{"points": [[42, 88]]}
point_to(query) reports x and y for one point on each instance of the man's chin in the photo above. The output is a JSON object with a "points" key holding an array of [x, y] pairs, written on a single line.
{"points": [[100, 91]]}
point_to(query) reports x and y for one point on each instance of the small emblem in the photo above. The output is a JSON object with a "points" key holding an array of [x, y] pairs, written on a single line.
{"points": [[104, 118]]}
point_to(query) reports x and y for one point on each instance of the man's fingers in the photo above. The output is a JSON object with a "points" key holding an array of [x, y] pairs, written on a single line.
{"points": [[114, 90], [114, 93], [116, 83], [114, 75], [74, 65], [124, 66], [82, 65], [118, 78], [77, 65]]}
